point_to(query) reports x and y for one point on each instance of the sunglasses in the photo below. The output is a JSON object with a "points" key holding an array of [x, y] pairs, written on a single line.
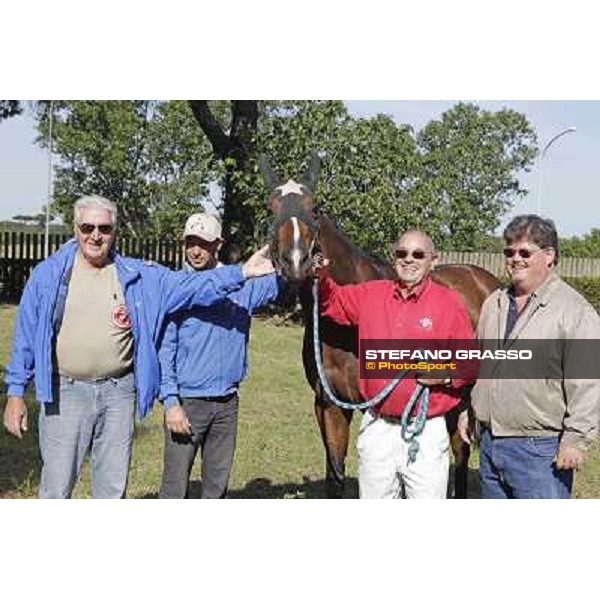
{"points": [[522, 252], [401, 254], [88, 228]]}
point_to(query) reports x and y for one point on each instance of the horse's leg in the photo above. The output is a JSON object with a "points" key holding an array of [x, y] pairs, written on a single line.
{"points": [[334, 424], [461, 452]]}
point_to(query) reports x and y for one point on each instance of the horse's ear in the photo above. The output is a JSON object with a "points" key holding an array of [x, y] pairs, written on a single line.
{"points": [[270, 177], [311, 176]]}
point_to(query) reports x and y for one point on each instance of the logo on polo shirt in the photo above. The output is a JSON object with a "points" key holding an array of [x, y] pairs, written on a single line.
{"points": [[120, 317], [426, 323]]}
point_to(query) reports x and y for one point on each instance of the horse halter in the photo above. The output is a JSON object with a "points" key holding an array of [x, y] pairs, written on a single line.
{"points": [[291, 207], [292, 200]]}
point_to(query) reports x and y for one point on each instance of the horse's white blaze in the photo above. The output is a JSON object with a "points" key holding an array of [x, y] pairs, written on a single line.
{"points": [[296, 253]]}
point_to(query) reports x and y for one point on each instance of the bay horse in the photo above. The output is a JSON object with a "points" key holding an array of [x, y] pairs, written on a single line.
{"points": [[299, 230]]}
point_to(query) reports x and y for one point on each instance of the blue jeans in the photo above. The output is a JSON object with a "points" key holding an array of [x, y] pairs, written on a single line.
{"points": [[96, 417], [521, 467]]}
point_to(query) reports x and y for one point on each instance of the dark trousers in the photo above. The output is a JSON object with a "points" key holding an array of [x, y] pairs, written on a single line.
{"points": [[214, 430]]}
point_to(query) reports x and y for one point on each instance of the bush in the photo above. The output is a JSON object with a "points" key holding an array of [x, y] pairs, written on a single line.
{"points": [[588, 287]]}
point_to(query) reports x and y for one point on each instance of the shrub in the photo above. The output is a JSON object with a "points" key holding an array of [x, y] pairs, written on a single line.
{"points": [[588, 287]]}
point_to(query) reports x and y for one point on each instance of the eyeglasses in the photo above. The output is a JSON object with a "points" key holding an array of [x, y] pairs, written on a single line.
{"points": [[401, 254], [88, 228], [522, 252]]}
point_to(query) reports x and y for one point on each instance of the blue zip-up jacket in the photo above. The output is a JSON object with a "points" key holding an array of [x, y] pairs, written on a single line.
{"points": [[151, 292], [203, 350]]}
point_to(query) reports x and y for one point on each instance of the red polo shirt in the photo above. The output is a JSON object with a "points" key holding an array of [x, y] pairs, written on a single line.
{"points": [[430, 311]]}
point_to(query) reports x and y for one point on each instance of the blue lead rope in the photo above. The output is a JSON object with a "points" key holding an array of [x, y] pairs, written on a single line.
{"points": [[410, 430]]}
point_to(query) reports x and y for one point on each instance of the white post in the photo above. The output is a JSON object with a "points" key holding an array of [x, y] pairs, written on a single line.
{"points": [[50, 180], [540, 181]]}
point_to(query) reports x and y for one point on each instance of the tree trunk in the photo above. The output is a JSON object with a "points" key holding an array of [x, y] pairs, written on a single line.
{"points": [[239, 145]]}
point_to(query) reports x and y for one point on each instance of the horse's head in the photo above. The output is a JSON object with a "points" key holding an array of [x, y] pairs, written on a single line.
{"points": [[295, 228]]}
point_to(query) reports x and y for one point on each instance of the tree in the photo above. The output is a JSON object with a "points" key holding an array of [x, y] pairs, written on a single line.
{"points": [[160, 161], [235, 150], [469, 164], [586, 246], [10, 108], [146, 156]]}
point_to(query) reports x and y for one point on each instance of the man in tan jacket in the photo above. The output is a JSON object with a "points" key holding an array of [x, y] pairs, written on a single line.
{"points": [[535, 432]]}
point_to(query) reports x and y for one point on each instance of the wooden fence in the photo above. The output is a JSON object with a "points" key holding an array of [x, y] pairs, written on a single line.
{"points": [[494, 263], [20, 252]]}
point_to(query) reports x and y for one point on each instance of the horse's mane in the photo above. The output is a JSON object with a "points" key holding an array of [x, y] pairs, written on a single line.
{"points": [[368, 265]]}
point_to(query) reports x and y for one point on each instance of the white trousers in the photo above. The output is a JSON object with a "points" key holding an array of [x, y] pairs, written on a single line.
{"points": [[383, 467]]}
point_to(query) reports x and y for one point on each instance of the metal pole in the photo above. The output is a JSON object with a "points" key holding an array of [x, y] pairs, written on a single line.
{"points": [[540, 181], [50, 180]]}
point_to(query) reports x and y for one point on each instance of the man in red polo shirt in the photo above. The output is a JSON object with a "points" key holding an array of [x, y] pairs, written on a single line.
{"points": [[413, 307]]}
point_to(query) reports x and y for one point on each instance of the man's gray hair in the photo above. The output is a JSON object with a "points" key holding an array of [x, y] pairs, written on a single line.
{"points": [[94, 202]]}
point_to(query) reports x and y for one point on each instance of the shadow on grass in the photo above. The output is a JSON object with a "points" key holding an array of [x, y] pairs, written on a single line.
{"points": [[263, 488], [308, 489], [20, 463]]}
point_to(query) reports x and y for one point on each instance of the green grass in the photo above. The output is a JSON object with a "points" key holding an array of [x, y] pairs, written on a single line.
{"points": [[279, 451]]}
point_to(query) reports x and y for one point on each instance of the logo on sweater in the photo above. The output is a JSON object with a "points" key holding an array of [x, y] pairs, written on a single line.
{"points": [[426, 323], [120, 317]]}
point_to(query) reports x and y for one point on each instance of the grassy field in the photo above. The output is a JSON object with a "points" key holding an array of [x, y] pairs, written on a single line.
{"points": [[279, 451]]}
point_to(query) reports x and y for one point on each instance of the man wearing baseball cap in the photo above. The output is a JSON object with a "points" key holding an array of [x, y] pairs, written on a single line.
{"points": [[88, 330], [203, 360]]}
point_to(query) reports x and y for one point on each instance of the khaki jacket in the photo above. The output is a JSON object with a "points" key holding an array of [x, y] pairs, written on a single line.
{"points": [[541, 407]]}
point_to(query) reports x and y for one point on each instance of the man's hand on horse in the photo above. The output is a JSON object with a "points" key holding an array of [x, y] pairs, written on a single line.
{"points": [[258, 264], [177, 421], [15, 416], [319, 264]]}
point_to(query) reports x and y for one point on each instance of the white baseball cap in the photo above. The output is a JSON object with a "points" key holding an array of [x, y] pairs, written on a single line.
{"points": [[204, 226]]}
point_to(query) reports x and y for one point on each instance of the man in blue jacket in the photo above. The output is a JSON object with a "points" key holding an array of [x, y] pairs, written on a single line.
{"points": [[203, 361], [87, 331]]}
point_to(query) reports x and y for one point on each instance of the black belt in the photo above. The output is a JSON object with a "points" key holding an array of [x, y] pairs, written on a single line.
{"points": [[94, 380], [225, 398], [393, 420]]}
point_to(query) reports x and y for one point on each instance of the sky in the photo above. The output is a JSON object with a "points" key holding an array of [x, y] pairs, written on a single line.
{"points": [[571, 176]]}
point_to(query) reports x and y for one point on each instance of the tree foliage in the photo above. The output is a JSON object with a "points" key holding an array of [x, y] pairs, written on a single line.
{"points": [[470, 159], [586, 246], [146, 156], [162, 160], [231, 129], [10, 108], [455, 178]]}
